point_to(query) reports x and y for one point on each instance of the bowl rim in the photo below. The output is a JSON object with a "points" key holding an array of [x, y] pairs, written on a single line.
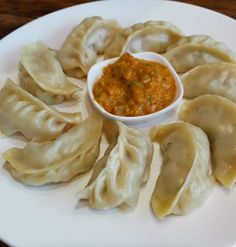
{"points": [[96, 68]]}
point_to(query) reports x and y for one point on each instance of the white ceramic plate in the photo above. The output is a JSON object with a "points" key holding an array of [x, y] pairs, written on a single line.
{"points": [[50, 216]]}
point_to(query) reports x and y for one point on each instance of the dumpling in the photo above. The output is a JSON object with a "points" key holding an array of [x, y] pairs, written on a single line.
{"points": [[72, 153], [117, 178], [191, 51], [41, 74], [184, 181], [213, 78], [153, 36], [85, 42], [216, 115], [22, 112]]}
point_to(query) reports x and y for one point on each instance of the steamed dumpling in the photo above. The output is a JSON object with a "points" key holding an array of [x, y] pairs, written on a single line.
{"points": [[117, 178], [85, 42], [191, 51], [216, 115], [184, 181], [72, 153], [154, 36], [41, 74], [213, 78], [22, 112]]}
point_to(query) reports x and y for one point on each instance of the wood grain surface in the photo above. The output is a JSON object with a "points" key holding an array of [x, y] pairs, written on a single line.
{"points": [[15, 13]]}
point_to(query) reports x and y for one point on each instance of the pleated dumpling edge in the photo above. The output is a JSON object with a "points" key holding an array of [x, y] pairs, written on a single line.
{"points": [[118, 176], [72, 153]]}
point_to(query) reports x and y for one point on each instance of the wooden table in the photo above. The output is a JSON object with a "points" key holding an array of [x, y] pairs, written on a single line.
{"points": [[15, 13]]}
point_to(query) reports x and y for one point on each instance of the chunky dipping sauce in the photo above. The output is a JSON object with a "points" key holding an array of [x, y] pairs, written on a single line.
{"points": [[134, 87]]}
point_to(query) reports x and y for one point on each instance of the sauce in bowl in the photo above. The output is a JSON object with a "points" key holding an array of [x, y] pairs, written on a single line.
{"points": [[134, 87]]}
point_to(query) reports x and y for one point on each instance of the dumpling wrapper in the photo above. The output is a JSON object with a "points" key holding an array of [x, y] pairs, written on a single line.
{"points": [[72, 153], [21, 112], [155, 36], [184, 181], [41, 74], [191, 51], [117, 177], [84, 43], [213, 78], [216, 115]]}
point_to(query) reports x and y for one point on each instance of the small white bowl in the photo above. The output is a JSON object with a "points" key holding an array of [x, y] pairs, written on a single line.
{"points": [[159, 117]]}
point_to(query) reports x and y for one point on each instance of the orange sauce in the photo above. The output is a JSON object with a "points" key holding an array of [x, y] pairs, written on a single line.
{"points": [[134, 87]]}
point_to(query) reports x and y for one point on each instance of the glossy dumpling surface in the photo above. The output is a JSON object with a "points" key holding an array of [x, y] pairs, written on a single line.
{"points": [[85, 42], [184, 182], [213, 78], [191, 51], [216, 115], [72, 153], [154, 36], [117, 178], [41, 74], [22, 112]]}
